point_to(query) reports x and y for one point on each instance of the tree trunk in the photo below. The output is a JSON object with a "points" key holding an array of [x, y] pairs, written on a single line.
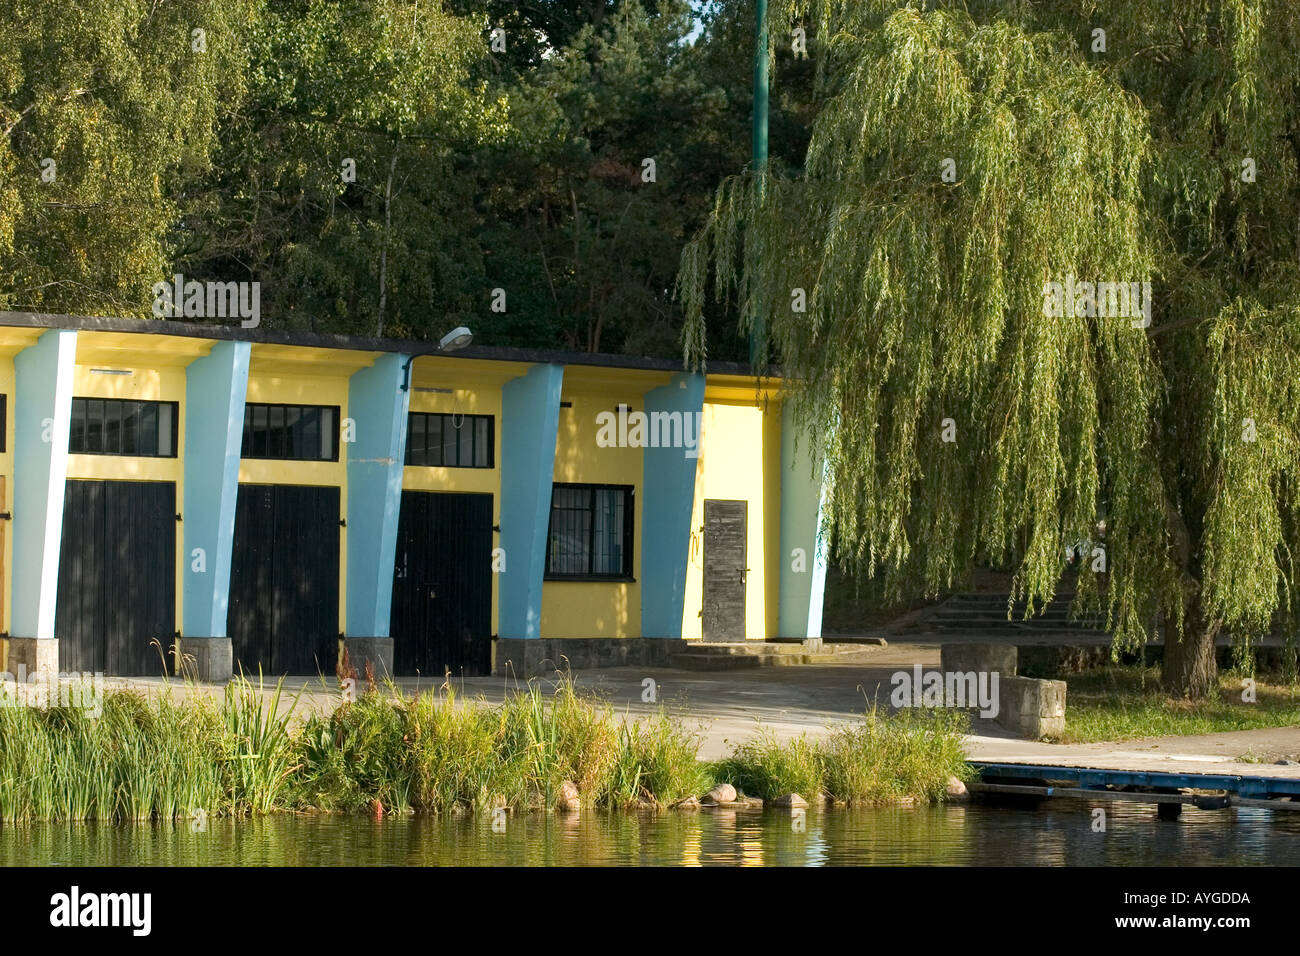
{"points": [[1190, 669]]}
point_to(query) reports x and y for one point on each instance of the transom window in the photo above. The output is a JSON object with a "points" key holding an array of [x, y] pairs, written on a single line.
{"points": [[116, 426], [293, 432], [590, 534], [449, 441]]}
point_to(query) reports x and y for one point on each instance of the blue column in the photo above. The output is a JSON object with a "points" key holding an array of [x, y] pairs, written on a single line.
{"points": [[802, 505], [530, 418], [42, 415], [667, 497], [378, 406], [215, 387]]}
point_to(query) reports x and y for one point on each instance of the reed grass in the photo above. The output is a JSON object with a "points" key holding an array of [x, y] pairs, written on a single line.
{"points": [[429, 752], [876, 759]]}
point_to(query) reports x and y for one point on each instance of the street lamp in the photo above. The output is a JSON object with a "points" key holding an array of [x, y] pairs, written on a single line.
{"points": [[457, 338]]}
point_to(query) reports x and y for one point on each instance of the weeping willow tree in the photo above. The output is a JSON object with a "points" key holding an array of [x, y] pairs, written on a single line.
{"points": [[932, 283]]}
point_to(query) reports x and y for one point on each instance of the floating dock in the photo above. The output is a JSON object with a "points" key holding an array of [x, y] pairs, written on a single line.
{"points": [[1170, 790]]}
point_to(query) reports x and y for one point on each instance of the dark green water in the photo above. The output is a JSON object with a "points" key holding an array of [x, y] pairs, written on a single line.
{"points": [[1058, 833]]}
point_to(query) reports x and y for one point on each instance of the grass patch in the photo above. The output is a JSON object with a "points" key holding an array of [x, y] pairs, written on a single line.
{"points": [[145, 758], [875, 760], [659, 763], [884, 758], [430, 752], [1120, 702]]}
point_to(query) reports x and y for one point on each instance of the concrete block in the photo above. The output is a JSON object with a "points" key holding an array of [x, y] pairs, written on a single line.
{"points": [[377, 650], [1000, 659], [1032, 708], [208, 659], [38, 656]]}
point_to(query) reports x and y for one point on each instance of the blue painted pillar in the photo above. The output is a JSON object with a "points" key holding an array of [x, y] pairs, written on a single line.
{"points": [[667, 497], [42, 415], [802, 505], [530, 418], [215, 387], [378, 407]]}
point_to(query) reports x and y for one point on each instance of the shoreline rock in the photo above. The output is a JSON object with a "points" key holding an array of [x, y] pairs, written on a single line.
{"points": [[568, 800], [723, 793]]}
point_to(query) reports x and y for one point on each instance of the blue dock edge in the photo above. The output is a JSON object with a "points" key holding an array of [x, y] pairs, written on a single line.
{"points": [[1091, 778]]}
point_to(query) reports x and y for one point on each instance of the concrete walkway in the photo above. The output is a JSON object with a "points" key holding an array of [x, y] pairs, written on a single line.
{"points": [[730, 706], [1202, 753]]}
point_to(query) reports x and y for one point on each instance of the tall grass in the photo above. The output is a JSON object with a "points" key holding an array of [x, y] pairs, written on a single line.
{"points": [[874, 760], [166, 758], [257, 752], [880, 759], [143, 759], [658, 762], [431, 752]]}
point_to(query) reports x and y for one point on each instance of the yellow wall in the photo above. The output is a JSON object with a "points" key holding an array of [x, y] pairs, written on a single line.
{"points": [[771, 459], [7, 470], [165, 384], [731, 467], [596, 608], [289, 389], [484, 401]]}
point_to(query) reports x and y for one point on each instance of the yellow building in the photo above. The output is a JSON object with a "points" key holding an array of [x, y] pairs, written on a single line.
{"points": [[247, 497]]}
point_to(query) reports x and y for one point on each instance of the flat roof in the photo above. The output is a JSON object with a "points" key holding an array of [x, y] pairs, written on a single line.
{"points": [[221, 332]]}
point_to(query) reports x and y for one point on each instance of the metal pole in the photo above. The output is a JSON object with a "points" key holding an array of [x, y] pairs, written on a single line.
{"points": [[757, 332]]}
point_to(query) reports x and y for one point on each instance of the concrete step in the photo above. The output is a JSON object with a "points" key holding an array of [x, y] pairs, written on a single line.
{"points": [[725, 662], [1033, 624], [996, 618], [987, 613], [747, 649], [721, 657]]}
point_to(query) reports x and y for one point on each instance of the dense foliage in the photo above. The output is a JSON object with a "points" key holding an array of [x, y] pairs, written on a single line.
{"points": [[380, 166], [966, 156]]}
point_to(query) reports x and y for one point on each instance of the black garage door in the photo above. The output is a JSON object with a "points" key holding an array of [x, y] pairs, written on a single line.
{"points": [[442, 585], [284, 580], [117, 577]]}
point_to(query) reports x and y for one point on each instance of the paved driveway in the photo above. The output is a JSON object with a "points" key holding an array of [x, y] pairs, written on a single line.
{"points": [[729, 706]]}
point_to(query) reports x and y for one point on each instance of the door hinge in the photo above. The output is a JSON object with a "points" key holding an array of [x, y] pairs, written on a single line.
{"points": [[178, 516], [343, 522], [6, 516]]}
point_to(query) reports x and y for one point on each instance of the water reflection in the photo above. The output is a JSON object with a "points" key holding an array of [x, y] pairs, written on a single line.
{"points": [[1058, 833]]}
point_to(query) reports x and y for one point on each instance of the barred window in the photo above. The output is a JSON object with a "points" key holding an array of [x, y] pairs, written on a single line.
{"points": [[293, 432], [590, 535], [115, 426], [450, 441]]}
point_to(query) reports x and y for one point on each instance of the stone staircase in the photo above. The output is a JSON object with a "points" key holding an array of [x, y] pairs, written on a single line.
{"points": [[985, 614], [697, 656]]}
